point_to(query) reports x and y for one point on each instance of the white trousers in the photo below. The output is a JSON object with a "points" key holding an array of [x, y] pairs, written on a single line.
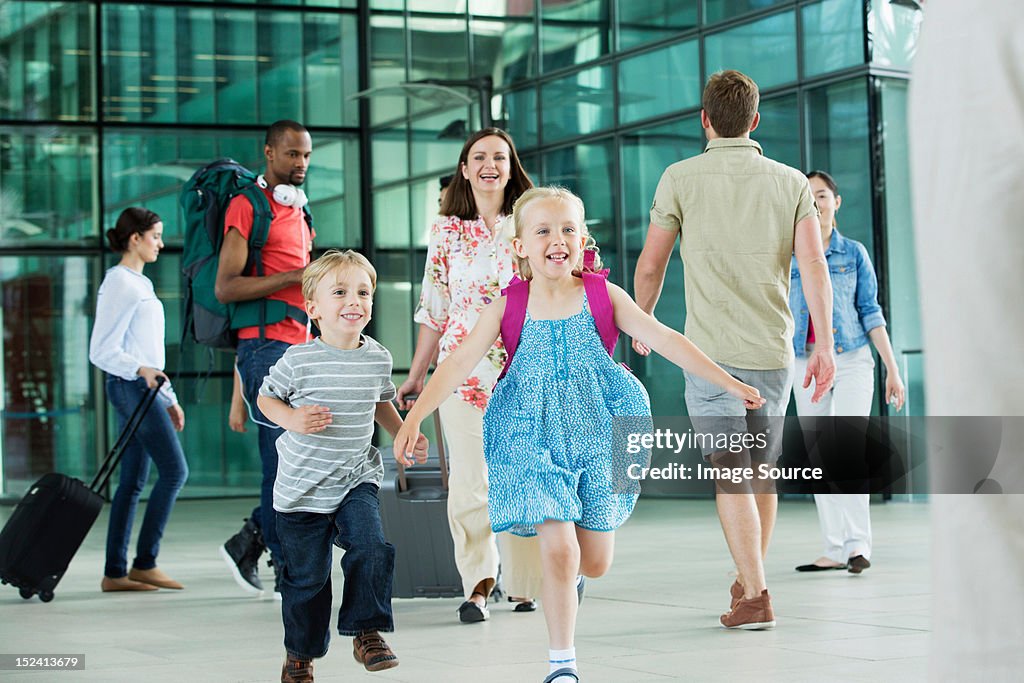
{"points": [[845, 518], [476, 546]]}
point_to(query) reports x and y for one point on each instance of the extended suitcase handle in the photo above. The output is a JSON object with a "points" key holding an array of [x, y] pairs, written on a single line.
{"points": [[403, 481], [109, 463]]}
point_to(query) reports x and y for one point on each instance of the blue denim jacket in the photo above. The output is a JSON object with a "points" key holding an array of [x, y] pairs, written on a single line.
{"points": [[855, 309]]}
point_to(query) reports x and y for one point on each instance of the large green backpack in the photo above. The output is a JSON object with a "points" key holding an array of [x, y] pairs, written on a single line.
{"points": [[205, 200]]}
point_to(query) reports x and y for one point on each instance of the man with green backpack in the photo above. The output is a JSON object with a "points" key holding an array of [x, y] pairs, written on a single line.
{"points": [[265, 240]]}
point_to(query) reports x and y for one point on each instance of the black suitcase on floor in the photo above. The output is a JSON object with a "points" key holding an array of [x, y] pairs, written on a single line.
{"points": [[51, 521], [413, 509]]}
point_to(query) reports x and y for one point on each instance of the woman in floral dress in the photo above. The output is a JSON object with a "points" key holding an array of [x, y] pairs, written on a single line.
{"points": [[469, 260]]}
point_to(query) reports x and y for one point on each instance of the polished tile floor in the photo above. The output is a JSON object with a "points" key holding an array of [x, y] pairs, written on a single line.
{"points": [[653, 618]]}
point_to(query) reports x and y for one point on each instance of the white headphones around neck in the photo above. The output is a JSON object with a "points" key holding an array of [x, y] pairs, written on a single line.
{"points": [[285, 194]]}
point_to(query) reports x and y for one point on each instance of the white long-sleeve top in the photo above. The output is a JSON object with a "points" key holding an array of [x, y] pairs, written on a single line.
{"points": [[129, 329]]}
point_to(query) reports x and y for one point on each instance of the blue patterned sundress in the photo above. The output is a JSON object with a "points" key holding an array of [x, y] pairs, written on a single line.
{"points": [[548, 430]]}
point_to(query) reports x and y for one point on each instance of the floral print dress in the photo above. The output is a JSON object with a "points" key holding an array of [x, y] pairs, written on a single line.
{"points": [[467, 266]]}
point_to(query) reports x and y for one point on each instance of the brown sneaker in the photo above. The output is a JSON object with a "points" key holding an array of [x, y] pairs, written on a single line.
{"points": [[735, 594], [297, 670], [752, 615], [371, 651]]}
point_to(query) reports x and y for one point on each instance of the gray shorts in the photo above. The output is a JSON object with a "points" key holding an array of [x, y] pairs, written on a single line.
{"points": [[714, 411]]}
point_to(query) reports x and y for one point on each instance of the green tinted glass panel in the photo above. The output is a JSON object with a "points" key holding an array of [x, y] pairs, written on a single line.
{"points": [[439, 50], [643, 21], [837, 121], [387, 67], [833, 33], [437, 141], [502, 8], [578, 104], [717, 10], [149, 167], [659, 82], [228, 66], [504, 50], [765, 50], [900, 273], [391, 218], [437, 6], [50, 389], [779, 130], [390, 154], [46, 178], [573, 32], [521, 114], [46, 61], [893, 29]]}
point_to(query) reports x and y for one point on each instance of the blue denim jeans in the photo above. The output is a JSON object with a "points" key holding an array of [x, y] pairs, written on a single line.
{"points": [[255, 358], [155, 440], [368, 566]]}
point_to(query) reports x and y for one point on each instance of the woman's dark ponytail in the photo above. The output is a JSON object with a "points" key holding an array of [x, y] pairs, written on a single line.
{"points": [[133, 220]]}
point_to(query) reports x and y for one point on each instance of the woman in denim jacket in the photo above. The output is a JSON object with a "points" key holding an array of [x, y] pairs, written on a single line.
{"points": [[857, 318]]}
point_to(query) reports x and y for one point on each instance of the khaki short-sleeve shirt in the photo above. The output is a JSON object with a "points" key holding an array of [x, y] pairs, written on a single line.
{"points": [[736, 211]]}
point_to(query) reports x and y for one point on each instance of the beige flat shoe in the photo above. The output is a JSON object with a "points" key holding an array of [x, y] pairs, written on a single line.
{"points": [[109, 585], [154, 577]]}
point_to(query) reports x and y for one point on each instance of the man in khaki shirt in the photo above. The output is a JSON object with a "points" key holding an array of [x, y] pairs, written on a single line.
{"points": [[740, 217]]}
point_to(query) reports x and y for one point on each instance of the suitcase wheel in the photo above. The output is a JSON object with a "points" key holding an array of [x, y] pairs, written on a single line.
{"points": [[46, 596], [26, 593]]}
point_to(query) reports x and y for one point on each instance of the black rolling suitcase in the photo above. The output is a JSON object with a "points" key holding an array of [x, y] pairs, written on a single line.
{"points": [[413, 510], [51, 521]]}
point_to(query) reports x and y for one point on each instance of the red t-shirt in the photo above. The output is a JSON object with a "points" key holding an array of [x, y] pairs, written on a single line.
{"points": [[287, 248]]}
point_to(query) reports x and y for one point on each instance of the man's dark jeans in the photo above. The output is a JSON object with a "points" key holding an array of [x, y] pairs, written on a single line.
{"points": [[255, 358], [368, 565]]}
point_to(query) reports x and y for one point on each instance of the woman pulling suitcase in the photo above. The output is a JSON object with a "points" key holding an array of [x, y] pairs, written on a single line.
{"points": [[128, 345]]}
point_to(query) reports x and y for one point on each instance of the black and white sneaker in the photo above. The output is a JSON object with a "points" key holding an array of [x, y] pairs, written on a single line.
{"points": [[242, 552]]}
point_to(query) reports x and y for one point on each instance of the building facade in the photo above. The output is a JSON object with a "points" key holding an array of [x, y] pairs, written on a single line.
{"points": [[107, 104]]}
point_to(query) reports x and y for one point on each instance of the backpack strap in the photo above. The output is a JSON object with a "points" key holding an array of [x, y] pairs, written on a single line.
{"points": [[596, 287], [512, 320], [595, 283], [262, 216]]}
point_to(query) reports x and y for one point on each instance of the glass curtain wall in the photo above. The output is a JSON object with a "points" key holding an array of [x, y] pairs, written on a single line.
{"points": [[105, 105]]}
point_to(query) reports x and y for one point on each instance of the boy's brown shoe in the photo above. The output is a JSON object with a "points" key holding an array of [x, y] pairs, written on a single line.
{"points": [[751, 615], [371, 651], [297, 671]]}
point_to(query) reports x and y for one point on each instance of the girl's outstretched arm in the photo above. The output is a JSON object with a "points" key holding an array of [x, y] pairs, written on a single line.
{"points": [[634, 322], [448, 376]]}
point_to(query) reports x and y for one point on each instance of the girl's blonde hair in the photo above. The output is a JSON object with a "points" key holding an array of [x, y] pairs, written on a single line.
{"points": [[552, 192], [331, 259]]}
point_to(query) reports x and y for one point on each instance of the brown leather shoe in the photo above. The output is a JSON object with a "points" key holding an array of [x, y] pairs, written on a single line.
{"points": [[371, 651], [154, 577], [123, 583], [297, 670], [755, 614]]}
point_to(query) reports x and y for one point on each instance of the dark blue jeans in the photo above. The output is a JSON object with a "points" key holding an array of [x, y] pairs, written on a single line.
{"points": [[255, 358], [155, 440], [368, 566]]}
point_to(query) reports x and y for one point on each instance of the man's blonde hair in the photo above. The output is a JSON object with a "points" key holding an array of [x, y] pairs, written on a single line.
{"points": [[551, 192], [332, 259]]}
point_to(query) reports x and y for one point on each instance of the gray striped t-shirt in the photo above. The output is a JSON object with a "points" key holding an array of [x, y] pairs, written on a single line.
{"points": [[316, 471]]}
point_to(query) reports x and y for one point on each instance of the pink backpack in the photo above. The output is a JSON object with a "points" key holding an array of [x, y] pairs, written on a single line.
{"points": [[594, 284]]}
